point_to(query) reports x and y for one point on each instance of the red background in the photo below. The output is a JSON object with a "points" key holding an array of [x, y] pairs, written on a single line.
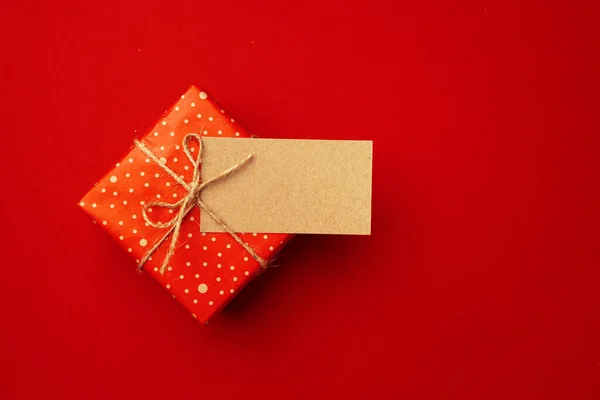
{"points": [[480, 280]]}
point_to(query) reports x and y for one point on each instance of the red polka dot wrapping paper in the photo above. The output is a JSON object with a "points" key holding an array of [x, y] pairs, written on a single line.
{"points": [[207, 269]]}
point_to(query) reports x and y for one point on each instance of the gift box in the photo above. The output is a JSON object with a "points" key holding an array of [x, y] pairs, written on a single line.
{"points": [[144, 204]]}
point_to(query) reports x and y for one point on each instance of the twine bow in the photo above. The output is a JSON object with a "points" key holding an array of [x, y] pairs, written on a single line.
{"points": [[186, 204]]}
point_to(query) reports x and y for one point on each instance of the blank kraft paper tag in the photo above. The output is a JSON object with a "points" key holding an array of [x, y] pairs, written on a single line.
{"points": [[289, 186]]}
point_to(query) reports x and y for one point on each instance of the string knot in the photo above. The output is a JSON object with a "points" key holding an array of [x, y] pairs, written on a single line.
{"points": [[195, 191]]}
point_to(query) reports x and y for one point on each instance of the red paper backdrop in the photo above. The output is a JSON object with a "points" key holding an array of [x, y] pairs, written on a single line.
{"points": [[480, 280]]}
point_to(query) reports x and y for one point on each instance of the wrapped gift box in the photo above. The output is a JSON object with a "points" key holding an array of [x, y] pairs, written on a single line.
{"points": [[206, 270]]}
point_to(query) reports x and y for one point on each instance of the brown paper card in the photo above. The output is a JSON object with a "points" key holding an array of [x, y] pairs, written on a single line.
{"points": [[289, 186]]}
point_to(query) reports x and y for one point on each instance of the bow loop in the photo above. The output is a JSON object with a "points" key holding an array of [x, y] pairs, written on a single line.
{"points": [[160, 204], [187, 149]]}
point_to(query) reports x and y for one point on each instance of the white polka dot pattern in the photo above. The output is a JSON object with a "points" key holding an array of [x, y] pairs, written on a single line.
{"points": [[203, 273]]}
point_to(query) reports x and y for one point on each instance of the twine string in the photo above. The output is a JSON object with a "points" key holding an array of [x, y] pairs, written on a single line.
{"points": [[186, 204]]}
